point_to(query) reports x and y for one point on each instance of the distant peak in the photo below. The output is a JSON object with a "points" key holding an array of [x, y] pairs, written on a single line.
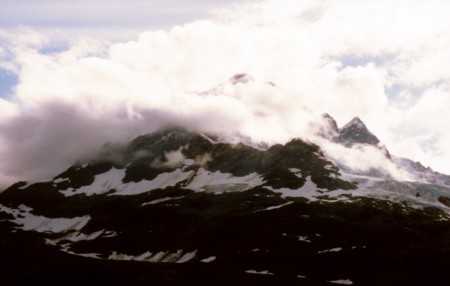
{"points": [[356, 132], [241, 78], [326, 115], [356, 122]]}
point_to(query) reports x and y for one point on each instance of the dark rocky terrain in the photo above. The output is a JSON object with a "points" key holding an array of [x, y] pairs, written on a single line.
{"points": [[179, 208]]}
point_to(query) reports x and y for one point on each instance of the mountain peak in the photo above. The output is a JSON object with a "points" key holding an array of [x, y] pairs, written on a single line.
{"points": [[240, 78], [356, 122], [356, 132]]}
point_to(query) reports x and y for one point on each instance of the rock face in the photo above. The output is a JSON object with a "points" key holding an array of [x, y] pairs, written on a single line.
{"points": [[176, 208], [356, 132]]}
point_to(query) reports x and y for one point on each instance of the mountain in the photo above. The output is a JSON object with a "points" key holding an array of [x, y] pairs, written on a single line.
{"points": [[356, 132], [181, 208], [353, 133], [422, 173]]}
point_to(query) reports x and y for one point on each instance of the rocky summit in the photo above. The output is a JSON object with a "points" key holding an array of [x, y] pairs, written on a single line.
{"points": [[356, 132], [181, 208]]}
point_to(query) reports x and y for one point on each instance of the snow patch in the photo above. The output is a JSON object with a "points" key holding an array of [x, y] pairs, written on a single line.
{"points": [[275, 207], [209, 259], [415, 194], [157, 201], [25, 208], [200, 181], [161, 181], [161, 257], [113, 180], [28, 221], [79, 236], [119, 256], [74, 237], [187, 257], [337, 249], [217, 182], [304, 239], [103, 183], [265, 272], [61, 180], [342, 282], [296, 172], [66, 248], [308, 190]]}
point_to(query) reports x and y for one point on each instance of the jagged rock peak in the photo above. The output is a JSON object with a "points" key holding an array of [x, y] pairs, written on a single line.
{"points": [[241, 78], [356, 132], [357, 122]]}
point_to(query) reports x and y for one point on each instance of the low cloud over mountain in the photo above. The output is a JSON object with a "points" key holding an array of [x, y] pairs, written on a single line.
{"points": [[348, 59]]}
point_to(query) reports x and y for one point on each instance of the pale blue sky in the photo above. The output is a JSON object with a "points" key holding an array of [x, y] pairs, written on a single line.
{"points": [[92, 15], [7, 82]]}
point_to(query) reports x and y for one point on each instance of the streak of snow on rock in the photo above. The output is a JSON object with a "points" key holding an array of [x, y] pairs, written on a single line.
{"points": [[265, 272], [209, 259], [342, 282], [337, 249], [29, 221], [161, 200]]}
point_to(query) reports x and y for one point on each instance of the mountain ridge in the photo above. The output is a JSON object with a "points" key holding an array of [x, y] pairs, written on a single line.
{"points": [[188, 208]]}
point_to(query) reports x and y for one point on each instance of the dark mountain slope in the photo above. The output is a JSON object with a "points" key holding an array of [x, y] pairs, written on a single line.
{"points": [[178, 208]]}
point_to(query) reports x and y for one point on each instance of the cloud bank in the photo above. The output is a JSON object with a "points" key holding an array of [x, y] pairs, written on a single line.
{"points": [[382, 61]]}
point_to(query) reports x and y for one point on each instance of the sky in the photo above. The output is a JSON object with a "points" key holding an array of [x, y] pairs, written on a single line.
{"points": [[77, 74]]}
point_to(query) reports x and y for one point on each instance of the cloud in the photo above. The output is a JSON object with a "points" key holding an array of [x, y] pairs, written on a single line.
{"points": [[381, 61], [365, 159]]}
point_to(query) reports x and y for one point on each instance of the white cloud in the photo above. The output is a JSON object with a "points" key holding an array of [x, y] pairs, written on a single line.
{"points": [[342, 57], [365, 159]]}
